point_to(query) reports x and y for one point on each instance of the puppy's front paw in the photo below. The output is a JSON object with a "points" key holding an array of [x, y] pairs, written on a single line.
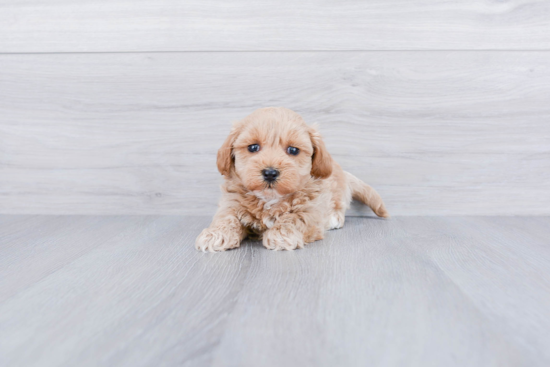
{"points": [[215, 240], [283, 238]]}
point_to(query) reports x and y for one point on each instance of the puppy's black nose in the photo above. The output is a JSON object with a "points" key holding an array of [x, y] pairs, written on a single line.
{"points": [[270, 174]]}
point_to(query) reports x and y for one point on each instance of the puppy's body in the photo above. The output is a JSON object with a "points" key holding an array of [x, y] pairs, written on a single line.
{"points": [[281, 185]]}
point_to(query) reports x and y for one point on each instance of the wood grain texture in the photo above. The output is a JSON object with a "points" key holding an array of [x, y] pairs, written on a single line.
{"points": [[419, 291], [35, 243], [142, 284], [215, 25], [440, 133], [399, 292]]}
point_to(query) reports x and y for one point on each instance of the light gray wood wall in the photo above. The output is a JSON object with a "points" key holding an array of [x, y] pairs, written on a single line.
{"points": [[206, 25], [116, 107]]}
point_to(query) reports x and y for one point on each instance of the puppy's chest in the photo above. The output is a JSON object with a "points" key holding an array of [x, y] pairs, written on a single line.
{"points": [[260, 216], [259, 222]]}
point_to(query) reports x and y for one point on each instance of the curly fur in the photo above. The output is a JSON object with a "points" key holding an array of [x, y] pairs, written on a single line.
{"points": [[310, 196]]}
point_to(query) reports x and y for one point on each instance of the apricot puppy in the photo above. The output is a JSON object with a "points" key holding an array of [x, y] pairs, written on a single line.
{"points": [[281, 185]]}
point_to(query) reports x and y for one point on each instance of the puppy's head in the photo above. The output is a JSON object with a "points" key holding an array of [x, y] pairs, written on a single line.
{"points": [[273, 150]]}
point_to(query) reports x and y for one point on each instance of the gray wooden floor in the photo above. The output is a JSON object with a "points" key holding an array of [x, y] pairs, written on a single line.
{"points": [[132, 291]]}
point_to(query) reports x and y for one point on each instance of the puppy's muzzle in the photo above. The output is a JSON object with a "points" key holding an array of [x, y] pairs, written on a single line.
{"points": [[270, 174]]}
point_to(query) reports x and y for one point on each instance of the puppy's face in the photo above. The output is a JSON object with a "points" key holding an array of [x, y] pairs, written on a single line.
{"points": [[273, 150]]}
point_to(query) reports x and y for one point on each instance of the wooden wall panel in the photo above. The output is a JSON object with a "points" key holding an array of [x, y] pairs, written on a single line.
{"points": [[442, 133], [215, 25]]}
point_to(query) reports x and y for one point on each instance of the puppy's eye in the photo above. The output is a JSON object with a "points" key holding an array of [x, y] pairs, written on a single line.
{"points": [[292, 150], [253, 148]]}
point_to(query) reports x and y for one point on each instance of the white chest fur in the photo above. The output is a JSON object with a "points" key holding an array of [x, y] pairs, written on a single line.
{"points": [[269, 222], [268, 197]]}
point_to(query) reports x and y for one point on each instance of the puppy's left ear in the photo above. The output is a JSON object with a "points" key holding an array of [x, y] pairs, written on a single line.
{"points": [[225, 153], [321, 165]]}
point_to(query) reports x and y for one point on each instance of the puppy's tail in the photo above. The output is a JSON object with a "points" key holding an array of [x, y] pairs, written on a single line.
{"points": [[367, 195]]}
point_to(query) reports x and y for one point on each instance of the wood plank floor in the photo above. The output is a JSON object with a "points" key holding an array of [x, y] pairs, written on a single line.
{"points": [[133, 291]]}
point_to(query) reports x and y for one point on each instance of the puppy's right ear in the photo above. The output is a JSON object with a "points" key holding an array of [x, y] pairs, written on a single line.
{"points": [[225, 153]]}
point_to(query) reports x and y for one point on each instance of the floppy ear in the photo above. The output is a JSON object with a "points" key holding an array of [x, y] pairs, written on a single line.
{"points": [[225, 153], [321, 166]]}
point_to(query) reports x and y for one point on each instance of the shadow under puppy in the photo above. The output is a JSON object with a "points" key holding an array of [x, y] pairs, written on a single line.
{"points": [[281, 185]]}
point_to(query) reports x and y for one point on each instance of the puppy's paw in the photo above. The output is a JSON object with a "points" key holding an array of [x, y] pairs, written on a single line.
{"points": [[216, 240], [336, 220], [283, 238]]}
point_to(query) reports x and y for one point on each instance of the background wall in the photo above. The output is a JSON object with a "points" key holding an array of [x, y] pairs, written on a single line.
{"points": [[117, 107]]}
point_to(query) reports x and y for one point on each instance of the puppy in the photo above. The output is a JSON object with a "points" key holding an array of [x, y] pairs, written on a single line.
{"points": [[281, 185]]}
